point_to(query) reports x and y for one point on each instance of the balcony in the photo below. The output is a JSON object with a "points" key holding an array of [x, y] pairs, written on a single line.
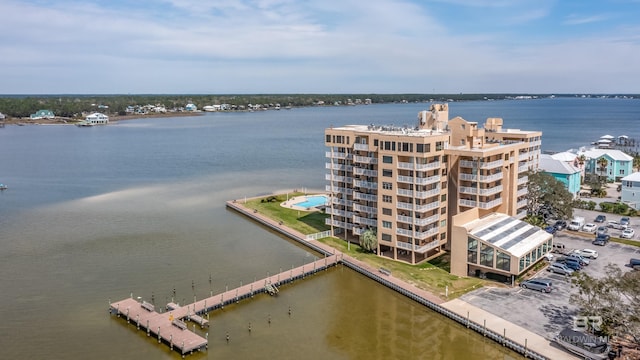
{"points": [[337, 212], [427, 180], [415, 166], [489, 178], [363, 147], [366, 209], [468, 177], [523, 180], [338, 178], [404, 219], [342, 167], [358, 230], [338, 190], [365, 184], [366, 197], [521, 203], [425, 234], [429, 206], [523, 191], [364, 221], [521, 214], [492, 164], [404, 192], [337, 155], [427, 194], [419, 249], [365, 160], [404, 232], [468, 164], [427, 221], [480, 204], [365, 172], [338, 201]]}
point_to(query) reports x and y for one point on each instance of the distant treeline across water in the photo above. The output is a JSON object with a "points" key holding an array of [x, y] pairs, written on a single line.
{"points": [[70, 105]]}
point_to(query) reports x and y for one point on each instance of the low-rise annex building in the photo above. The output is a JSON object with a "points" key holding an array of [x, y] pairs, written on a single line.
{"points": [[495, 243]]}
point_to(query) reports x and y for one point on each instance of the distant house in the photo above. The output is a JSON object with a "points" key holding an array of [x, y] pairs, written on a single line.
{"points": [[96, 119], [618, 164], [191, 107], [630, 193], [2, 116], [43, 114], [563, 171]]}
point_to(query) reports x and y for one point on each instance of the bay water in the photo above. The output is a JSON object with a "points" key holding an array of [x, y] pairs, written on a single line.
{"points": [[137, 207]]}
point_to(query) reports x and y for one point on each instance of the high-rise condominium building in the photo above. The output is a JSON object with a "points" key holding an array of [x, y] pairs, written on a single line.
{"points": [[406, 183]]}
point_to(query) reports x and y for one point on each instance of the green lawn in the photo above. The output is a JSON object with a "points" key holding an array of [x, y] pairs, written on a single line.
{"points": [[306, 222], [431, 276]]}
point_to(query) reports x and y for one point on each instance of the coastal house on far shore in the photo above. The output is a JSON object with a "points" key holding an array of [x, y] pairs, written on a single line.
{"points": [[2, 116], [191, 107], [96, 119], [42, 114], [563, 171], [612, 163], [630, 190]]}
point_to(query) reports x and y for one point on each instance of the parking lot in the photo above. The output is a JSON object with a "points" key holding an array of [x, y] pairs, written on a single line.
{"points": [[547, 314]]}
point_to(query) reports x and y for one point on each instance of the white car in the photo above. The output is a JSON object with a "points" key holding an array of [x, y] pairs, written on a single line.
{"points": [[589, 228], [587, 253], [627, 233]]}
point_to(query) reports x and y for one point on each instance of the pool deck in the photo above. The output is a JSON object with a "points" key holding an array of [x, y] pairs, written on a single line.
{"points": [[291, 203]]}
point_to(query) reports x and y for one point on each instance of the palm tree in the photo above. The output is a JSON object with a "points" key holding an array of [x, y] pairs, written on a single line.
{"points": [[602, 164], [369, 240]]}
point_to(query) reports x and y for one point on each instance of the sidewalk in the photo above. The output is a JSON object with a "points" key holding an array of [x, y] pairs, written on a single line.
{"points": [[514, 332]]}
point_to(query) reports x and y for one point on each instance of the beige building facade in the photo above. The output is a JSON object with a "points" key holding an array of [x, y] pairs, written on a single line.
{"points": [[406, 183]]}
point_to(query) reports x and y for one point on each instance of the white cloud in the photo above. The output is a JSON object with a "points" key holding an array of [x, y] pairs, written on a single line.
{"points": [[291, 46]]}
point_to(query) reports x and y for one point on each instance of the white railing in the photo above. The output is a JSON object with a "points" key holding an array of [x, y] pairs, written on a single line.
{"points": [[523, 168], [468, 163], [367, 209], [467, 190], [490, 204], [490, 191], [365, 221], [367, 197], [319, 235], [337, 212], [427, 221], [338, 166], [425, 234], [523, 180], [467, 203], [358, 230], [522, 192], [468, 177], [405, 179], [338, 178], [404, 205], [337, 155], [404, 232], [365, 160], [521, 214], [404, 219], [423, 249], [338, 189], [428, 206], [364, 147], [365, 184], [427, 180], [405, 192], [488, 178], [367, 172], [491, 165], [416, 166], [426, 194], [521, 203]]}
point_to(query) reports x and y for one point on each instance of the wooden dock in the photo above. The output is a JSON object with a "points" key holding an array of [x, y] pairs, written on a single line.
{"points": [[170, 327]]}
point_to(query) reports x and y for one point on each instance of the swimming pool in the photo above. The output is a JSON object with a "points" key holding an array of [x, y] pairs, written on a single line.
{"points": [[313, 201]]}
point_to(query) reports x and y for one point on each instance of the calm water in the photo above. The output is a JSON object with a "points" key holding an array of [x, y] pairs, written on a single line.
{"points": [[94, 214]]}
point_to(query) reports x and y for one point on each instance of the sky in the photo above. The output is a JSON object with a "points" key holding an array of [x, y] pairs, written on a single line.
{"points": [[319, 46]]}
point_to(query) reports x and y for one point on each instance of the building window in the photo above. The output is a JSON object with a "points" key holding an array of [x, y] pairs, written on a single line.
{"points": [[422, 148], [386, 198], [386, 211], [503, 261], [386, 224], [387, 185], [486, 255], [443, 197], [443, 223], [387, 173], [439, 145], [443, 210], [375, 142], [386, 237], [472, 250], [621, 171], [443, 236], [387, 159], [328, 138]]}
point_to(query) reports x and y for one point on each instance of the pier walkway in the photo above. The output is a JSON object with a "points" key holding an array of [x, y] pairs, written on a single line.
{"points": [[169, 327]]}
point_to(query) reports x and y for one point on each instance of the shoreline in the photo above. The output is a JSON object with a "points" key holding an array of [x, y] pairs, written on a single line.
{"points": [[112, 119]]}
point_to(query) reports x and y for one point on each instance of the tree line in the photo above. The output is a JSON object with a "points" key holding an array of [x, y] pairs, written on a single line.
{"points": [[74, 105]]}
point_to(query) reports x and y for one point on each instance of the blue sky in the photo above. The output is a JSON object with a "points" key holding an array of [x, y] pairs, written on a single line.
{"points": [[324, 46]]}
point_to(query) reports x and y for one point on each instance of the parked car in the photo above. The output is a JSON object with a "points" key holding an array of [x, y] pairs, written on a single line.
{"points": [[589, 228], [559, 268], [543, 285], [635, 264], [548, 256], [601, 240], [551, 229], [615, 225], [627, 233], [602, 230], [625, 221], [583, 261], [573, 264], [560, 225], [600, 219], [587, 253]]}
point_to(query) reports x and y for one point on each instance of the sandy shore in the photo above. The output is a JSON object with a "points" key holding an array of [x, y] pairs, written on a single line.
{"points": [[112, 118]]}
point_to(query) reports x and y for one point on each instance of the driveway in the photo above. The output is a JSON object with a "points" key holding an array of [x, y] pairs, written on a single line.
{"points": [[547, 314]]}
